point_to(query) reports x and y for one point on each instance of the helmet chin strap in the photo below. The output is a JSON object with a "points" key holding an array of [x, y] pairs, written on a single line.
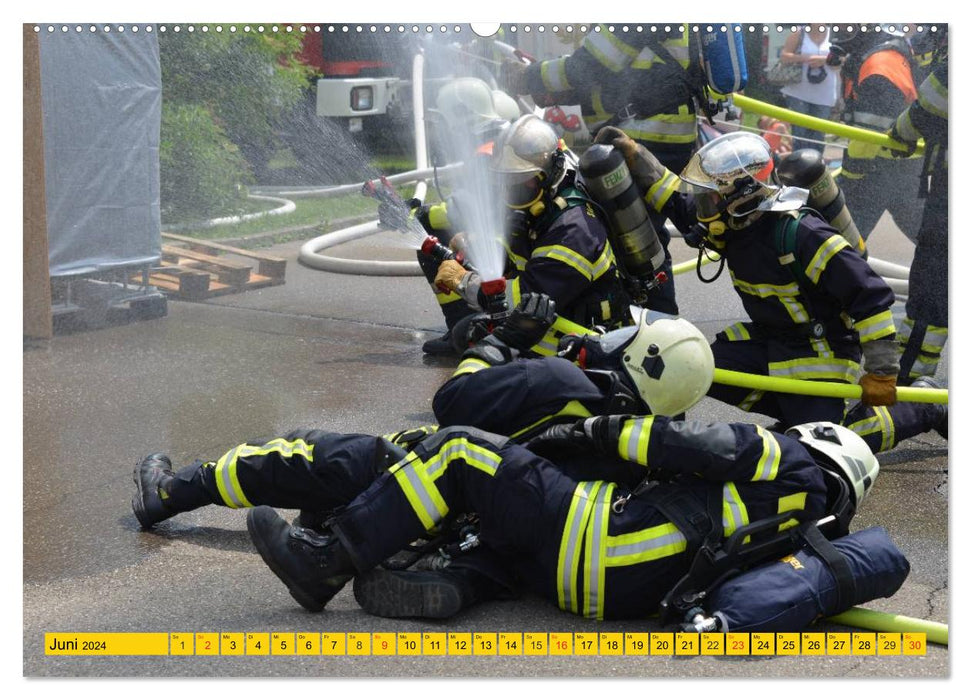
{"points": [[737, 223]]}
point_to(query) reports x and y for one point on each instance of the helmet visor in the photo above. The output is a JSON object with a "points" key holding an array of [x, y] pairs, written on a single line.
{"points": [[521, 190]]}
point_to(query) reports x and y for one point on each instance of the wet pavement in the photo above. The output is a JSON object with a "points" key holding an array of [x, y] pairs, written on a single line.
{"points": [[341, 353]]}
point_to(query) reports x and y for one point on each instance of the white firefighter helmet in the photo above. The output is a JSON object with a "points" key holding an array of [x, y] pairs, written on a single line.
{"points": [[671, 364], [467, 104], [528, 159], [505, 106], [733, 174], [838, 448]]}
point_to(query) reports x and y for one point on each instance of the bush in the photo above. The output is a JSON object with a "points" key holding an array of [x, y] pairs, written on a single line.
{"points": [[200, 168]]}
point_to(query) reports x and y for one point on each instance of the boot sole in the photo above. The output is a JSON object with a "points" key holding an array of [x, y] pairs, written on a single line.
{"points": [[386, 594], [298, 594]]}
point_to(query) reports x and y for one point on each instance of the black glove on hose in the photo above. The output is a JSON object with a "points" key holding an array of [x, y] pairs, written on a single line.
{"points": [[600, 434], [528, 322]]}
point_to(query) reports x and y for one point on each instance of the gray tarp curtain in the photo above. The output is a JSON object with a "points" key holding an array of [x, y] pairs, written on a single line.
{"points": [[102, 105]]}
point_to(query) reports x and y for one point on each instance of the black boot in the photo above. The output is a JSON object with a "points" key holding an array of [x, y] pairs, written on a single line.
{"points": [[409, 593], [939, 409], [313, 565], [153, 478], [439, 346]]}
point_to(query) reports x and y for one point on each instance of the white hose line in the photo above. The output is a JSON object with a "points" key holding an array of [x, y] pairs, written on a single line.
{"points": [[336, 190], [311, 257], [889, 269], [286, 207]]}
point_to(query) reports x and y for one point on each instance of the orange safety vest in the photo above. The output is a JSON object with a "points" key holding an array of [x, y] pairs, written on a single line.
{"points": [[890, 64]]}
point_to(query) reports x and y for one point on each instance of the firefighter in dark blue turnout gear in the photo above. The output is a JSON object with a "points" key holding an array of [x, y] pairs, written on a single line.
{"points": [[925, 329], [557, 243], [816, 307], [583, 530], [641, 82], [495, 389]]}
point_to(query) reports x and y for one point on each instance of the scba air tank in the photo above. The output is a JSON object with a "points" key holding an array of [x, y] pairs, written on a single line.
{"points": [[632, 236], [805, 168]]}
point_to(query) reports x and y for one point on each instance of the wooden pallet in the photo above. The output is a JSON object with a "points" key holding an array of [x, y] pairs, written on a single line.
{"points": [[193, 270]]}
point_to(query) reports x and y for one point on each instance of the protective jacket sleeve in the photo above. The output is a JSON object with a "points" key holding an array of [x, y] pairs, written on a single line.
{"points": [[830, 263], [517, 398], [714, 452], [927, 117], [565, 261]]}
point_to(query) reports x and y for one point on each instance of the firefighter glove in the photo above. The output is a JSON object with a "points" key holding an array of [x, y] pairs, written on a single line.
{"points": [[512, 77], [449, 276], [645, 168], [879, 389], [898, 152], [600, 434], [528, 322]]}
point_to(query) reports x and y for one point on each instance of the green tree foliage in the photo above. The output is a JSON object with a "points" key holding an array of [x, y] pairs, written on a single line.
{"points": [[221, 93]]}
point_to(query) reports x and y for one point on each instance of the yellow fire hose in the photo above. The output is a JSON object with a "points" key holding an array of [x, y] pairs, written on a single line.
{"points": [[825, 125], [887, 622], [692, 264], [813, 388]]}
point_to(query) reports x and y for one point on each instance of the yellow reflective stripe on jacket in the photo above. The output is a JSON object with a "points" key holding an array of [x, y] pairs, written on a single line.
{"points": [[666, 128], [573, 409], [933, 96], [734, 512], [645, 545], [590, 271], [752, 398], [594, 555], [824, 254], [470, 365], [872, 121], [568, 562], [518, 261], [787, 295], [417, 479], [678, 47], [438, 216], [768, 466], [634, 439], [906, 129], [553, 74], [227, 480], [831, 368], [514, 292], [737, 331], [550, 343], [794, 501], [444, 298], [877, 326], [660, 192], [880, 422], [609, 50]]}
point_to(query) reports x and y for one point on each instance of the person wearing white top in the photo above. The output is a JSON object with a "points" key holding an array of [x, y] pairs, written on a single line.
{"points": [[817, 91]]}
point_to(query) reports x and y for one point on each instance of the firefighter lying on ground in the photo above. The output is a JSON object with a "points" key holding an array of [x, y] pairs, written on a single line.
{"points": [[543, 522], [816, 306], [664, 366]]}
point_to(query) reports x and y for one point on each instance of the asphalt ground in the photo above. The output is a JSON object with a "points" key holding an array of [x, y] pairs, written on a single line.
{"points": [[342, 353]]}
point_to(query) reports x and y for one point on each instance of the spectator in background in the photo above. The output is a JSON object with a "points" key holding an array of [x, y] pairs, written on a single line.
{"points": [[817, 91]]}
